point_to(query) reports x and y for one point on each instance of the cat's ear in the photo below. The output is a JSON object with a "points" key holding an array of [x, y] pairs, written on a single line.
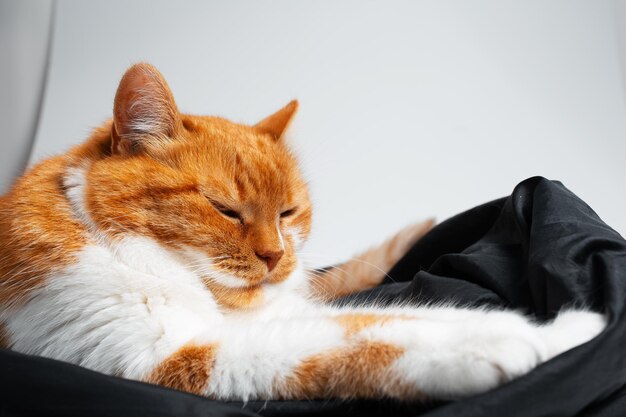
{"points": [[144, 112], [277, 123]]}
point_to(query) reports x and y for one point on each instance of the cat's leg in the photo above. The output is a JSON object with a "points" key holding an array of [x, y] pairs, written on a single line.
{"points": [[369, 268], [408, 354]]}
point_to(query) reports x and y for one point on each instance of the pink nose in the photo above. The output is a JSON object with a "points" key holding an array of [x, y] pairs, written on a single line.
{"points": [[270, 257]]}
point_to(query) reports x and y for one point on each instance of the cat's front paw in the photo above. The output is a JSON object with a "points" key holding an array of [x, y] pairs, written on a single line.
{"points": [[570, 329], [475, 356], [497, 354]]}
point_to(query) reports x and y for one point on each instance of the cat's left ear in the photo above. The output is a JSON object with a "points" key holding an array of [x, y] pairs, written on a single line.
{"points": [[277, 124]]}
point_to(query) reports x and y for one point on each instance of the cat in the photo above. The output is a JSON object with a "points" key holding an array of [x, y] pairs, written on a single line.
{"points": [[165, 249]]}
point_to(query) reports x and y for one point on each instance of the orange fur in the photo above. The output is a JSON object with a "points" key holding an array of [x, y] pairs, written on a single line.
{"points": [[4, 338], [37, 230], [355, 371], [237, 298], [188, 369], [277, 123], [195, 184], [167, 185], [355, 322], [218, 160], [164, 184]]}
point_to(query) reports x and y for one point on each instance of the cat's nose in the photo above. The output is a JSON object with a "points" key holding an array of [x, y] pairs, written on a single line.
{"points": [[270, 257]]}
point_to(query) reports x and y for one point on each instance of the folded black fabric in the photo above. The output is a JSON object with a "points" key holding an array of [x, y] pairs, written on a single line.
{"points": [[539, 250]]}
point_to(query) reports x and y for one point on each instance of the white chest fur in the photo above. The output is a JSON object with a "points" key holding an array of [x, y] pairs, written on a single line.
{"points": [[125, 308], [107, 315]]}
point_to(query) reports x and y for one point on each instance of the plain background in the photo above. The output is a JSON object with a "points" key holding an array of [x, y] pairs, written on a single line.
{"points": [[409, 109]]}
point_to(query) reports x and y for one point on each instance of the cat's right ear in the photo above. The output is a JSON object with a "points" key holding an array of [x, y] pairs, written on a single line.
{"points": [[144, 112]]}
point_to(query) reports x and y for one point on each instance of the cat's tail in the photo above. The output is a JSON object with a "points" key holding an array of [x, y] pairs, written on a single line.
{"points": [[369, 268]]}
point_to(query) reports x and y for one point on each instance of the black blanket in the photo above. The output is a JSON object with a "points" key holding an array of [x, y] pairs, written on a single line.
{"points": [[538, 250]]}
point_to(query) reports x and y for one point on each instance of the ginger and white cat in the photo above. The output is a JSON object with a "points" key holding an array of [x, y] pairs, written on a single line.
{"points": [[165, 249]]}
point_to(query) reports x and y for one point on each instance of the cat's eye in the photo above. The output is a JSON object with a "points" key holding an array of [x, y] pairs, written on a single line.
{"points": [[228, 212], [231, 213], [287, 213]]}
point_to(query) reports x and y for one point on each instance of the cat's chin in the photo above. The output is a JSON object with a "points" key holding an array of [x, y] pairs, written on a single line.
{"points": [[230, 281], [240, 298], [255, 294], [246, 283]]}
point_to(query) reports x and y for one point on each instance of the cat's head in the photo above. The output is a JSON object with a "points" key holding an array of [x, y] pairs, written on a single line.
{"points": [[227, 199]]}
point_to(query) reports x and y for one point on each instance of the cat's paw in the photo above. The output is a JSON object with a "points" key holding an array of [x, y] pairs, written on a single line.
{"points": [[570, 329], [475, 356], [499, 352]]}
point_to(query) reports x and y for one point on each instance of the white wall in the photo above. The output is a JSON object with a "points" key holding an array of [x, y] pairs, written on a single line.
{"points": [[409, 109], [24, 38]]}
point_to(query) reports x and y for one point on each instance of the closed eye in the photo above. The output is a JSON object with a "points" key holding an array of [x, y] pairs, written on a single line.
{"points": [[226, 211], [231, 213], [288, 213]]}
